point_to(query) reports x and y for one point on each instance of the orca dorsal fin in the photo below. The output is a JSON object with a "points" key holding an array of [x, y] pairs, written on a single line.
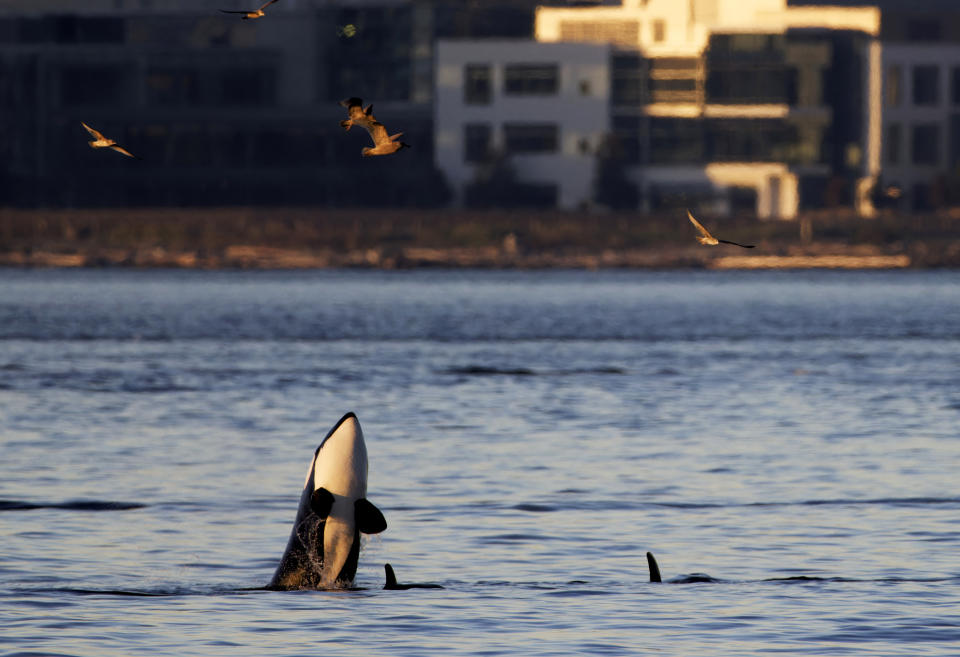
{"points": [[321, 502], [368, 517], [654, 568], [391, 582]]}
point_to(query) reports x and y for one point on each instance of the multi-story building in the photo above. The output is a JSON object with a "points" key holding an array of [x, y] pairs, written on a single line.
{"points": [[721, 104], [921, 103], [222, 110]]}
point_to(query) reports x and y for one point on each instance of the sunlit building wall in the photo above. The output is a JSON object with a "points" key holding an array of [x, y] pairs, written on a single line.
{"points": [[738, 104]]}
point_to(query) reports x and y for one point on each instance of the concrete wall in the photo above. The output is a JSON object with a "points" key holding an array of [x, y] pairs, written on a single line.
{"points": [[579, 109]]}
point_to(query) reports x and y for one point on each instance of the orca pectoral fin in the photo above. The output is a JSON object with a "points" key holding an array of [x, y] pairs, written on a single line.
{"points": [[654, 568], [369, 518], [321, 502]]}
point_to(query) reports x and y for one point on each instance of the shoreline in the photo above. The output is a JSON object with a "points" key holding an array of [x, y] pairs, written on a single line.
{"points": [[269, 258], [320, 238]]}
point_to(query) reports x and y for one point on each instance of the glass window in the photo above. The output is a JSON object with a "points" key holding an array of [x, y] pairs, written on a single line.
{"points": [[530, 79], [246, 87], [893, 143], [676, 140], [926, 144], [628, 79], [954, 140], [172, 87], [926, 87], [924, 29], [476, 142], [955, 85], [892, 90], [476, 84], [93, 85], [530, 137], [659, 30]]}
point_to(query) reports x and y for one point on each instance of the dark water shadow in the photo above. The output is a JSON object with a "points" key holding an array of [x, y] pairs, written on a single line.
{"points": [[70, 505]]}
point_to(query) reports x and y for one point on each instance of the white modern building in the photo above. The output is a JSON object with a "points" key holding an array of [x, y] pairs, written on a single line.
{"points": [[545, 106], [722, 105], [921, 122]]}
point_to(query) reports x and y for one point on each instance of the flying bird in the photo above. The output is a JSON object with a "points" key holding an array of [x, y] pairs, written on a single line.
{"points": [[99, 141], [383, 144], [356, 113], [706, 238], [256, 13]]}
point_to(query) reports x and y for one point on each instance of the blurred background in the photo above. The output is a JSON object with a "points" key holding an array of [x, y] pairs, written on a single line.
{"points": [[767, 106], [763, 109]]}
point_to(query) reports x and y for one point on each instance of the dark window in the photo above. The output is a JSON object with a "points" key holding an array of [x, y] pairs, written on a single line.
{"points": [[751, 140], [743, 47], [99, 30], [892, 89], [530, 79], [530, 138], [8, 30], [926, 87], [172, 87], [676, 140], [246, 87], [627, 138], [954, 140], [628, 79], [750, 85], [926, 144], [82, 86], [924, 30], [476, 142], [955, 85], [893, 143], [476, 84], [749, 69], [659, 30]]}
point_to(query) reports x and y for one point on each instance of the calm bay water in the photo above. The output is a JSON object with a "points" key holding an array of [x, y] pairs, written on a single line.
{"points": [[795, 436]]}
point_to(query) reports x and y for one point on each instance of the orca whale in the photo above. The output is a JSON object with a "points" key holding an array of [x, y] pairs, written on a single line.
{"points": [[692, 578], [324, 545], [391, 582]]}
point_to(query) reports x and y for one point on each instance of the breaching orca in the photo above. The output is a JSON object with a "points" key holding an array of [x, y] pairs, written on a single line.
{"points": [[324, 545], [391, 582]]}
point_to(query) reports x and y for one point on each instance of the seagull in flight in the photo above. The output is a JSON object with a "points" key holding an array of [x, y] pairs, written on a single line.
{"points": [[99, 141], [256, 13], [383, 144], [706, 238]]}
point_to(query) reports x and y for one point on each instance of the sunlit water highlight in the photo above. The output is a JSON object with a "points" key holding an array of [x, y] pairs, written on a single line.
{"points": [[531, 436]]}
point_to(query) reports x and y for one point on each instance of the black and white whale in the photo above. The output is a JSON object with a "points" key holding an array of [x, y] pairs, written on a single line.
{"points": [[391, 584], [324, 545], [692, 578]]}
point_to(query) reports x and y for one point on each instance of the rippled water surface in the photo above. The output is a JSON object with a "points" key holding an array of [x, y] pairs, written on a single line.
{"points": [[794, 436]]}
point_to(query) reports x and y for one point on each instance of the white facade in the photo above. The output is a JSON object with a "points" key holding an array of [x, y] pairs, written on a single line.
{"points": [[921, 119], [568, 88]]}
